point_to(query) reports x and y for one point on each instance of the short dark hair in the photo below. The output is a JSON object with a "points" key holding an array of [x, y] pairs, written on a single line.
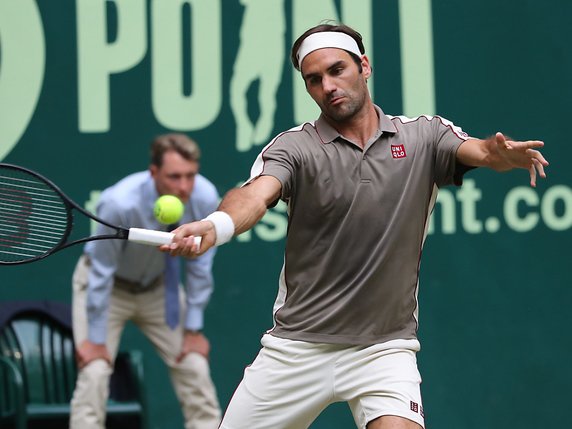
{"points": [[180, 143], [340, 28]]}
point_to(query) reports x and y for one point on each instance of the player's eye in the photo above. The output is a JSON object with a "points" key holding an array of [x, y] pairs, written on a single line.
{"points": [[337, 71], [314, 80]]}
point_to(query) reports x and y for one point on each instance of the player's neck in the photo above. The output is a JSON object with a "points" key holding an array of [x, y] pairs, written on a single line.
{"points": [[361, 127]]}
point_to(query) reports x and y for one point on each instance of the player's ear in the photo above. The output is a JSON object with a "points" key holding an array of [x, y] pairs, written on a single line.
{"points": [[366, 67], [153, 169]]}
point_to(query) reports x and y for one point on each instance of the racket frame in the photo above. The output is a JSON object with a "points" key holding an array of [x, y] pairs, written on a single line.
{"points": [[70, 205]]}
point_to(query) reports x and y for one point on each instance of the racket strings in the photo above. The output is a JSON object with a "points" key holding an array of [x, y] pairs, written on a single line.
{"points": [[33, 216]]}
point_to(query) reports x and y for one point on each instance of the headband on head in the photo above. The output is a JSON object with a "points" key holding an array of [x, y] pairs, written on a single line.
{"points": [[327, 39]]}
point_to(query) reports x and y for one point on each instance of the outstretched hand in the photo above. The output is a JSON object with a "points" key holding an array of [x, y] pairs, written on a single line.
{"points": [[516, 154]]}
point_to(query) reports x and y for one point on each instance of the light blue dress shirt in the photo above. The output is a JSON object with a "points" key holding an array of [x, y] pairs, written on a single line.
{"points": [[129, 203]]}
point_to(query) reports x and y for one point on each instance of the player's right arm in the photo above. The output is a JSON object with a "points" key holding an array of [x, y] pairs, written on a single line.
{"points": [[248, 204], [245, 206]]}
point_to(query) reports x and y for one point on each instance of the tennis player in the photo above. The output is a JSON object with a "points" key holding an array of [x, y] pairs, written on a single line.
{"points": [[360, 186]]}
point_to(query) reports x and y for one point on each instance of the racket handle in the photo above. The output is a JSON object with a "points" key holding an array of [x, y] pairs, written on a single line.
{"points": [[154, 238], [148, 236]]}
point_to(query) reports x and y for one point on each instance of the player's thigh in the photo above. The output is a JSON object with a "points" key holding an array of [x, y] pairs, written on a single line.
{"points": [[286, 387], [383, 383]]}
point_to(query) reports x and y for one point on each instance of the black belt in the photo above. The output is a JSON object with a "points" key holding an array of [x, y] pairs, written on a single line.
{"points": [[136, 287]]}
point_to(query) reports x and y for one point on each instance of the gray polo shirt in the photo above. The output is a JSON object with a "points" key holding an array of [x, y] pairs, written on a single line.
{"points": [[357, 221]]}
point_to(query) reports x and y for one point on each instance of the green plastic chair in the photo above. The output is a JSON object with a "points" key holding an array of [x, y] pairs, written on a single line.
{"points": [[38, 371]]}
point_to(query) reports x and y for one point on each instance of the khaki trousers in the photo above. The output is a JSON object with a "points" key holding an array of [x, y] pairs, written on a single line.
{"points": [[190, 378]]}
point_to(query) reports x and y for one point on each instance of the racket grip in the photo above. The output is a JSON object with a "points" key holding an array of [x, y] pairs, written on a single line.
{"points": [[148, 236], [154, 238]]}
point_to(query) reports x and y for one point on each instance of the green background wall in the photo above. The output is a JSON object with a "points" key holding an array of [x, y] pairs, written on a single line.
{"points": [[86, 84]]}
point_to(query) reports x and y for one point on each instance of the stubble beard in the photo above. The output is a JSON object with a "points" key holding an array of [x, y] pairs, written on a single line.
{"points": [[347, 110]]}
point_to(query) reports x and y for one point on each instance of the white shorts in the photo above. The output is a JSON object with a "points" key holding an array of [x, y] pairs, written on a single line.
{"points": [[291, 382]]}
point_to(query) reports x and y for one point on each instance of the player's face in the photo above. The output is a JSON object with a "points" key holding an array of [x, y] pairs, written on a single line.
{"points": [[176, 176], [334, 82]]}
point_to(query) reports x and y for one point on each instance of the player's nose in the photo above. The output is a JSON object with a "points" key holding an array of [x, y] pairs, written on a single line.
{"points": [[328, 85]]}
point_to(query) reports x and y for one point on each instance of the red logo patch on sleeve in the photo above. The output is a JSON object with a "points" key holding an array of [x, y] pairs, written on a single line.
{"points": [[398, 151]]}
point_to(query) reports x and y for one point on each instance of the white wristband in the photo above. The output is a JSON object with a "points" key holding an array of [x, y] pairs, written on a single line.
{"points": [[223, 225]]}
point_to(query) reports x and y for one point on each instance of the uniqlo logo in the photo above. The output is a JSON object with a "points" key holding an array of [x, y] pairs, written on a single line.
{"points": [[398, 151], [414, 406]]}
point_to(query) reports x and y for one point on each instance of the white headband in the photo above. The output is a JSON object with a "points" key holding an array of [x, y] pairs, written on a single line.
{"points": [[327, 39]]}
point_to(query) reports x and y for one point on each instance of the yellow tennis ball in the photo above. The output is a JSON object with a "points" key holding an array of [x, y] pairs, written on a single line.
{"points": [[168, 209]]}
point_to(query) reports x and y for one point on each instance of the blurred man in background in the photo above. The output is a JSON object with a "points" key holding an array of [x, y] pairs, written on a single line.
{"points": [[116, 281]]}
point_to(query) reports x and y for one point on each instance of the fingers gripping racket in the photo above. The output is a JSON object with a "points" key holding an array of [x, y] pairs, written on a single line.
{"points": [[37, 218]]}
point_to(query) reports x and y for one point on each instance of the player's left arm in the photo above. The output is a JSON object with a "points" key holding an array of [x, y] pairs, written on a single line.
{"points": [[502, 154]]}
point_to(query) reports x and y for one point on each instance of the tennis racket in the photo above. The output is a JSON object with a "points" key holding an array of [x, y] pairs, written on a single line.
{"points": [[37, 218]]}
